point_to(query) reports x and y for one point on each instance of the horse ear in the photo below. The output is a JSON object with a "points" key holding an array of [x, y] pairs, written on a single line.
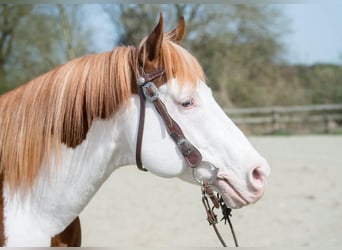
{"points": [[177, 34], [152, 46]]}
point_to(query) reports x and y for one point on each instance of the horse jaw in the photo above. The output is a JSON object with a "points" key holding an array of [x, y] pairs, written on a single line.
{"points": [[159, 153]]}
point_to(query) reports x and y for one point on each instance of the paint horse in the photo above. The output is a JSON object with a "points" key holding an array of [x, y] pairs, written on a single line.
{"points": [[63, 133]]}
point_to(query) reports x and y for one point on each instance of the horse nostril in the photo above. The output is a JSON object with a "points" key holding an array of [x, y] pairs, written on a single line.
{"points": [[257, 178], [257, 174]]}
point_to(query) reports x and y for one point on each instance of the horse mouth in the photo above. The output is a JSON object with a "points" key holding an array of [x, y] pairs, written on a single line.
{"points": [[232, 197]]}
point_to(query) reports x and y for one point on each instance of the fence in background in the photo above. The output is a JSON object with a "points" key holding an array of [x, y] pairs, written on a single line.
{"points": [[325, 118]]}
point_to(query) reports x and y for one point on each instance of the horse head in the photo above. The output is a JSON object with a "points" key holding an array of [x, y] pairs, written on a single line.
{"points": [[228, 161]]}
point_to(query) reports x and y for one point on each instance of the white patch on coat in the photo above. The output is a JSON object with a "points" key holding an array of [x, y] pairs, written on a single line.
{"points": [[57, 198]]}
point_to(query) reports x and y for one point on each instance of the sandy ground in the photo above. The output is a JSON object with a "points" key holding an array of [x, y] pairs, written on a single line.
{"points": [[302, 205]]}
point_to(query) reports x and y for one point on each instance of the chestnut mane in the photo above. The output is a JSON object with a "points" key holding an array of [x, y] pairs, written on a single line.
{"points": [[60, 105]]}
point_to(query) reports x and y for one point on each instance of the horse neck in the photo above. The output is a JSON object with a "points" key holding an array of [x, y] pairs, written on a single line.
{"points": [[61, 192]]}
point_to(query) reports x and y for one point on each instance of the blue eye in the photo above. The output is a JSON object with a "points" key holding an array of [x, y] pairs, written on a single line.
{"points": [[188, 103]]}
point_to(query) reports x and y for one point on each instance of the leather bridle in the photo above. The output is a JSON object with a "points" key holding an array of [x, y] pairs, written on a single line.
{"points": [[147, 89]]}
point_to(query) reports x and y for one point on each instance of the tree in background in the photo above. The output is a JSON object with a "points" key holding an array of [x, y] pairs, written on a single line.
{"points": [[234, 43], [238, 46], [41, 37], [10, 17]]}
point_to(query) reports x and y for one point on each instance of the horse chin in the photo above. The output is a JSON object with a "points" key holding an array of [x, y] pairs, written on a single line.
{"points": [[231, 197]]}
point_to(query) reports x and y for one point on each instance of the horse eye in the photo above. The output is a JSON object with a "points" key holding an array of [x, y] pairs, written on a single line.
{"points": [[188, 103]]}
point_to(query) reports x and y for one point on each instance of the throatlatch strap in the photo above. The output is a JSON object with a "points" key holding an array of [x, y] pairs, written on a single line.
{"points": [[144, 78], [140, 130]]}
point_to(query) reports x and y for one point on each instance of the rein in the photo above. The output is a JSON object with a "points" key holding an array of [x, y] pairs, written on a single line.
{"points": [[147, 89], [217, 202]]}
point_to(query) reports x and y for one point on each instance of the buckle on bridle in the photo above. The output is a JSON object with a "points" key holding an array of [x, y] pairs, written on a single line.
{"points": [[150, 91], [185, 146]]}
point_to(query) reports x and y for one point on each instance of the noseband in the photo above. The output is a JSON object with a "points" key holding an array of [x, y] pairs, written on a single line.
{"points": [[147, 89]]}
